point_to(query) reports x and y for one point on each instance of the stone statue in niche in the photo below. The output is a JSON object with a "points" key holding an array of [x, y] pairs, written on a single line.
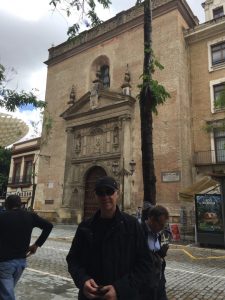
{"points": [[94, 91], [72, 97], [78, 143], [94, 97], [126, 87], [116, 136], [96, 140], [98, 143]]}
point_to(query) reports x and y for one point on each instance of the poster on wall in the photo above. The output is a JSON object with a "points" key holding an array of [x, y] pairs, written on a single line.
{"points": [[174, 229], [209, 216]]}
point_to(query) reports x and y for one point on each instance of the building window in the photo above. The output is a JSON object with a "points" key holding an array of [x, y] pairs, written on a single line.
{"points": [[104, 71], [27, 175], [16, 176], [219, 137], [218, 89], [218, 12], [218, 53]]}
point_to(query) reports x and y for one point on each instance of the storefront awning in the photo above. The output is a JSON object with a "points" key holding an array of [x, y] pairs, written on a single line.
{"points": [[201, 186]]}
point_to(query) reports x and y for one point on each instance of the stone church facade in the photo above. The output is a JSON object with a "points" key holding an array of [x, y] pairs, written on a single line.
{"points": [[92, 99]]}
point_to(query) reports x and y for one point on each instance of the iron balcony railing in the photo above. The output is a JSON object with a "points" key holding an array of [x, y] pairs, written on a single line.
{"points": [[209, 157], [19, 180]]}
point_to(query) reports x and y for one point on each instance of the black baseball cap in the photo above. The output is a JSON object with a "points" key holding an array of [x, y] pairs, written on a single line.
{"points": [[106, 181]]}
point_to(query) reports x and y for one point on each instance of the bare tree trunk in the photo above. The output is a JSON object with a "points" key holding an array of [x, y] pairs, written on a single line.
{"points": [[149, 179]]}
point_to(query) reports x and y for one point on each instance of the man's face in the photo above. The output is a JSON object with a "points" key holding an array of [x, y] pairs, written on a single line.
{"points": [[157, 225], [107, 198]]}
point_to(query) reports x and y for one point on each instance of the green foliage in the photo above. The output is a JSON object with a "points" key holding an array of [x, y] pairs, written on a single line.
{"points": [[87, 9], [47, 126], [5, 158], [2, 76], [158, 91], [11, 99], [73, 31], [47, 123], [220, 101], [95, 21], [160, 94], [210, 127], [219, 125]]}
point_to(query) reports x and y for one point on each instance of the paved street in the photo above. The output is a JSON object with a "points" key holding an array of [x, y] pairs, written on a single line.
{"points": [[192, 273]]}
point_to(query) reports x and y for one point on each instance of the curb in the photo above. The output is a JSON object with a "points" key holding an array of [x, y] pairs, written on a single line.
{"points": [[195, 250]]}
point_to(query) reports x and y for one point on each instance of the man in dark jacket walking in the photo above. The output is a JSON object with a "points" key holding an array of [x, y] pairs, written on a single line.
{"points": [[156, 221], [16, 226], [109, 257]]}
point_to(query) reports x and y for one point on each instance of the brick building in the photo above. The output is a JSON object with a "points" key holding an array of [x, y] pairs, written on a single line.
{"points": [[92, 98]]}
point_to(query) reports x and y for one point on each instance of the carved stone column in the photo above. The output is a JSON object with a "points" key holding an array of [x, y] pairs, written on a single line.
{"points": [[68, 175], [126, 157]]}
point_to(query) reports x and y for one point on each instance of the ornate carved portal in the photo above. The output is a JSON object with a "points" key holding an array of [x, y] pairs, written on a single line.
{"points": [[90, 201], [99, 137]]}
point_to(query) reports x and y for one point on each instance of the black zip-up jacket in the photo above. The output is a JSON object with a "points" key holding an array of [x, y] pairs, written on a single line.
{"points": [[16, 227], [159, 291], [126, 261]]}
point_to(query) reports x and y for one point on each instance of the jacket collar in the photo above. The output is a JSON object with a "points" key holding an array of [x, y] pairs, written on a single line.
{"points": [[118, 217]]}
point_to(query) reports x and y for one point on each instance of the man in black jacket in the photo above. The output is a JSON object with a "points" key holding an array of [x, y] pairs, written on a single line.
{"points": [[157, 218], [109, 258], [16, 227]]}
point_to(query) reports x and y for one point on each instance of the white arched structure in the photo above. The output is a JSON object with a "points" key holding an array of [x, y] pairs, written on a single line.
{"points": [[12, 129]]}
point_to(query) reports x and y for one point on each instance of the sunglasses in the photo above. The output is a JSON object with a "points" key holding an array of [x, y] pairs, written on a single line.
{"points": [[105, 192]]}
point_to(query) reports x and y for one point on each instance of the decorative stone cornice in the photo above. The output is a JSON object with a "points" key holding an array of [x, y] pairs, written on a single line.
{"points": [[69, 130], [89, 124], [126, 117], [99, 110], [103, 157], [122, 22], [207, 3], [118, 100], [205, 30], [26, 150]]}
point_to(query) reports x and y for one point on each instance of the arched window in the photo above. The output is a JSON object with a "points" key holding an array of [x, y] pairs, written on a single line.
{"points": [[100, 70], [104, 71]]}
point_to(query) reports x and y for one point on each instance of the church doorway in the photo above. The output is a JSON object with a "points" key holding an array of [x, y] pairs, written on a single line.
{"points": [[90, 201]]}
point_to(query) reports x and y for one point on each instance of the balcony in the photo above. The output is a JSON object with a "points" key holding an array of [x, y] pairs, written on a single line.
{"points": [[19, 181], [213, 157]]}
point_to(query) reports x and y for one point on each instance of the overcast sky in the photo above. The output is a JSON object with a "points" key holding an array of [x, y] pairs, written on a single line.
{"points": [[28, 28]]}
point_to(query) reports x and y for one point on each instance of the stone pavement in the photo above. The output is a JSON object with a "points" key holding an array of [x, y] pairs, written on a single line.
{"points": [[192, 273], [59, 232], [195, 277], [42, 286]]}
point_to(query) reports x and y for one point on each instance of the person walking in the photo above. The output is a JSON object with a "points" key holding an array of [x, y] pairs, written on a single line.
{"points": [[109, 258], [145, 209], [157, 219], [16, 227]]}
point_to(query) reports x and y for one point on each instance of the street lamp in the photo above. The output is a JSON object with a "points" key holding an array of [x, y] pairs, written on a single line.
{"points": [[123, 172]]}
